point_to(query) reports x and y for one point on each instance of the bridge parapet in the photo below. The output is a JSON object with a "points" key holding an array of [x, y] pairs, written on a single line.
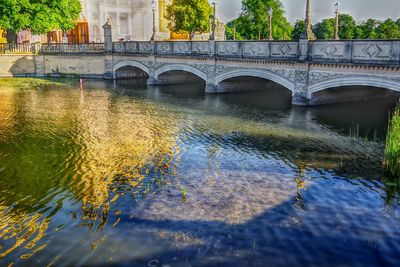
{"points": [[367, 52], [371, 52]]}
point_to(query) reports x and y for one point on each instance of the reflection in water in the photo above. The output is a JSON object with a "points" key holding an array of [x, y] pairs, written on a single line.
{"points": [[120, 174]]}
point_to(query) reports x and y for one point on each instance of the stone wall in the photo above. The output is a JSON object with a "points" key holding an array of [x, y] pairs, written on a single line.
{"points": [[21, 65], [51, 65], [74, 65]]}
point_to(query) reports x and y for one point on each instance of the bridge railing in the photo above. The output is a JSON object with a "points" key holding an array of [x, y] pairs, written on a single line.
{"points": [[17, 48], [377, 52], [268, 50], [91, 48], [225, 49], [175, 48], [355, 51], [320, 51]]}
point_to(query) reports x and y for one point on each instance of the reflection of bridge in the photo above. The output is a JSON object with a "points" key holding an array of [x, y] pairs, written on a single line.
{"points": [[306, 68], [303, 67]]}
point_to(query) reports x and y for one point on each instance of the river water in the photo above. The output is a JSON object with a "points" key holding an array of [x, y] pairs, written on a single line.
{"points": [[121, 175]]}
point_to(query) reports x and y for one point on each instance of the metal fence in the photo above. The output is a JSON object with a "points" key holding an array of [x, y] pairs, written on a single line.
{"points": [[17, 48], [91, 48]]}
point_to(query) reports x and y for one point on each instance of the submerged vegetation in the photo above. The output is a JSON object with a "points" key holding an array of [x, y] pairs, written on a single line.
{"points": [[29, 83]]}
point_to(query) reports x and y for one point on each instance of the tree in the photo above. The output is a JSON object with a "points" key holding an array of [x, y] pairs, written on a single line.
{"points": [[325, 29], [192, 16], [231, 31], [254, 20], [299, 28], [367, 29], [245, 28], [388, 30], [347, 26], [39, 16]]}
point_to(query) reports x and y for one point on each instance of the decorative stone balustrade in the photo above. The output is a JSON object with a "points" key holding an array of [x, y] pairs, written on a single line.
{"points": [[381, 52], [351, 51]]}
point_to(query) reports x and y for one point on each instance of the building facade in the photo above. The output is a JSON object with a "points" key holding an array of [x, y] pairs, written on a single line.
{"points": [[132, 19]]}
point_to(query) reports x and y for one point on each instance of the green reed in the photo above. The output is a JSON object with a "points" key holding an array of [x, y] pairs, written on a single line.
{"points": [[392, 152]]}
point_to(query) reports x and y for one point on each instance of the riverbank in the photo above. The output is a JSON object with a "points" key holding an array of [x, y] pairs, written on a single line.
{"points": [[392, 162]]}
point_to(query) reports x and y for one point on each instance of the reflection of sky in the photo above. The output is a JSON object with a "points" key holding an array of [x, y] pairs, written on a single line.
{"points": [[295, 9], [257, 182]]}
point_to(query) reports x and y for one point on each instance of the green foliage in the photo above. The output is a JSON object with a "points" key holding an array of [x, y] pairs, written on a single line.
{"points": [[39, 16], [367, 29], [192, 16], [299, 28], [325, 29], [388, 29], [392, 162], [231, 29], [231, 32], [254, 21], [347, 26]]}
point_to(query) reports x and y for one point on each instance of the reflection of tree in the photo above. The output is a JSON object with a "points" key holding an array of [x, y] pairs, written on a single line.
{"points": [[120, 151], [300, 183], [94, 146]]}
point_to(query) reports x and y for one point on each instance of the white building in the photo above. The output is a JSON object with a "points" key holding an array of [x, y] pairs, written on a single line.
{"points": [[132, 19]]}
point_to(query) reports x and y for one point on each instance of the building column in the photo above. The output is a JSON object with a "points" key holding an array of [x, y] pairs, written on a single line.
{"points": [[308, 33], [130, 28], [108, 36]]}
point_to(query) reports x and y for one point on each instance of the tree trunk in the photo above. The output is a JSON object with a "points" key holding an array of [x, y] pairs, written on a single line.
{"points": [[11, 37]]}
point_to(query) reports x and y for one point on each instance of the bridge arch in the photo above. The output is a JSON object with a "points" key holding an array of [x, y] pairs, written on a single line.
{"points": [[354, 80], [130, 64], [180, 67], [264, 74]]}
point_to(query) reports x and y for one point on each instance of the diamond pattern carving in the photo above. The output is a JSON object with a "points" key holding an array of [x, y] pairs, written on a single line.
{"points": [[255, 49], [372, 50], [284, 48], [330, 50]]}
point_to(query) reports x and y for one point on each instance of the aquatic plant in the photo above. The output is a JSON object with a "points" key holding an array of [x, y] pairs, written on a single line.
{"points": [[392, 160], [184, 193], [392, 152]]}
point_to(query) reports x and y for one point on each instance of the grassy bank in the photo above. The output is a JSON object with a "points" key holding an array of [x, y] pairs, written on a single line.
{"points": [[392, 153]]}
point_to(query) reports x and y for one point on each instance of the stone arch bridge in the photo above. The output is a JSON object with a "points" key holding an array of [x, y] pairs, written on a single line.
{"points": [[306, 68]]}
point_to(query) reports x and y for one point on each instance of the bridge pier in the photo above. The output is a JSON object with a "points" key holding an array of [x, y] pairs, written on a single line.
{"points": [[152, 81], [211, 88], [300, 99]]}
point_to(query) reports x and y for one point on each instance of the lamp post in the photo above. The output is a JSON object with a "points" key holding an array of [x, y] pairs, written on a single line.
{"points": [[212, 36], [308, 32], [270, 13], [153, 8], [337, 21]]}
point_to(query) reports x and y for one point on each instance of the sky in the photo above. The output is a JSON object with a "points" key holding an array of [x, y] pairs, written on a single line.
{"points": [[295, 9]]}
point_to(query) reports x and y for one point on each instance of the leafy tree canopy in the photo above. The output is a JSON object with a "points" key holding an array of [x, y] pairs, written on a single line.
{"points": [[192, 16], [325, 29], [299, 28], [39, 16], [347, 26], [254, 21], [388, 29]]}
